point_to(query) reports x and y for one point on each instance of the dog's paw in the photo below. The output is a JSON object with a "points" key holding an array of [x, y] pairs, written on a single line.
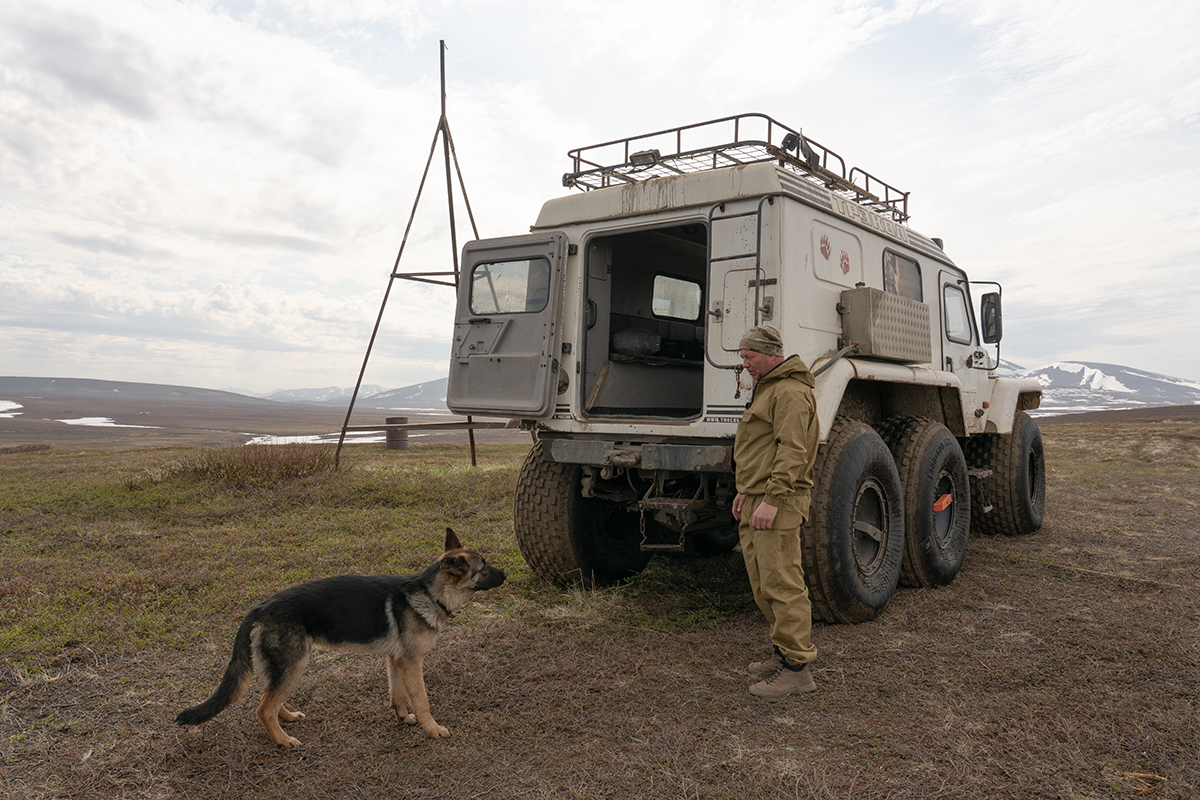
{"points": [[404, 715]]}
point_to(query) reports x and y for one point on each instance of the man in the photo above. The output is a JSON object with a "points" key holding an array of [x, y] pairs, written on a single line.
{"points": [[774, 452]]}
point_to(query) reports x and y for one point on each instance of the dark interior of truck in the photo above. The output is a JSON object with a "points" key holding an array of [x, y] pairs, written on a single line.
{"points": [[644, 345]]}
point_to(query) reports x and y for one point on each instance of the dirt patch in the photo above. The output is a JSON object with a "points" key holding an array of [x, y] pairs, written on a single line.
{"points": [[1058, 665]]}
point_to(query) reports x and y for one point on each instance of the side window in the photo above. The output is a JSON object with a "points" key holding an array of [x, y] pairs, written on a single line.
{"points": [[958, 319], [902, 276], [675, 298], [510, 287]]}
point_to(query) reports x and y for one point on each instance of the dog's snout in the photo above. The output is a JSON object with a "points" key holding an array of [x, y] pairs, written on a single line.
{"points": [[493, 577]]}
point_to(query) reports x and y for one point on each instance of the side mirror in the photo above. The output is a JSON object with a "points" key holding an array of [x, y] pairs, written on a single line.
{"points": [[991, 319]]}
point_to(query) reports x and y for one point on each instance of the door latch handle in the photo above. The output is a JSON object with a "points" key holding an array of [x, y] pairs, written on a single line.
{"points": [[767, 309]]}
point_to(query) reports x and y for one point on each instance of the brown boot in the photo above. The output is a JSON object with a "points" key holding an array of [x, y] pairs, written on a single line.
{"points": [[761, 670], [786, 681]]}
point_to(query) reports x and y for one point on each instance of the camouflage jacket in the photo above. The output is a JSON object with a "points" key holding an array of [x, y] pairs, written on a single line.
{"points": [[777, 440]]}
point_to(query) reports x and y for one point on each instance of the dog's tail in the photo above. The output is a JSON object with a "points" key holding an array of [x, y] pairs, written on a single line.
{"points": [[238, 675]]}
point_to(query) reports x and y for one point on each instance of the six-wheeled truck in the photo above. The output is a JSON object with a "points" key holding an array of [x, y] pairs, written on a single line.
{"points": [[612, 330]]}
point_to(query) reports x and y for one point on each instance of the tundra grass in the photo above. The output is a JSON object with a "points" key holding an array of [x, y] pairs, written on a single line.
{"points": [[116, 551]]}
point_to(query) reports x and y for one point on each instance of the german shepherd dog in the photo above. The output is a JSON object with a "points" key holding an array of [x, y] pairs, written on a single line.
{"points": [[396, 616]]}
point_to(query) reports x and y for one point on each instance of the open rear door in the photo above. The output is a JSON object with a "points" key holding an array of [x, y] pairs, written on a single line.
{"points": [[505, 353], [742, 283]]}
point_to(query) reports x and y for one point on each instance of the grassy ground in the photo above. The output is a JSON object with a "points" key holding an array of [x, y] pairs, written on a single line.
{"points": [[1060, 665]]}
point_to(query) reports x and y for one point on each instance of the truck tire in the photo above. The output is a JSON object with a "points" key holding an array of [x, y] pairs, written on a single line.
{"points": [[937, 499], [1017, 486], [853, 541], [569, 539]]}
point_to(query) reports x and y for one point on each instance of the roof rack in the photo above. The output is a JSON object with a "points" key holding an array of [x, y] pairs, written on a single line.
{"points": [[756, 138]]}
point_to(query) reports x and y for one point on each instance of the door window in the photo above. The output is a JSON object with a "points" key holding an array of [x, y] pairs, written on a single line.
{"points": [[510, 287], [958, 319]]}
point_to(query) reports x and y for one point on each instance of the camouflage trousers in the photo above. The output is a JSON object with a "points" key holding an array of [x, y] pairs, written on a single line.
{"points": [[777, 578]]}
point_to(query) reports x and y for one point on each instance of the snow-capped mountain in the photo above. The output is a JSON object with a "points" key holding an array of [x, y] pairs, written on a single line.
{"points": [[321, 396], [328, 394], [1072, 387], [431, 395]]}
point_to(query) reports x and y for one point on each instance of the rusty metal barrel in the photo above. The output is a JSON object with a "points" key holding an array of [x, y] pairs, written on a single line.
{"points": [[397, 439]]}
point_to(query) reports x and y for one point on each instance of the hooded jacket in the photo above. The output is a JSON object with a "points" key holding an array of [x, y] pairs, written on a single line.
{"points": [[777, 440]]}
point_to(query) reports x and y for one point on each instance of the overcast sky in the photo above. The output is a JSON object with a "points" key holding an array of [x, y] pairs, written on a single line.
{"points": [[213, 193]]}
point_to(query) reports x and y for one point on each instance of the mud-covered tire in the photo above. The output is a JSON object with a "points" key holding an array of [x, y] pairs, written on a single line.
{"points": [[567, 538], [853, 541], [1016, 488], [937, 499]]}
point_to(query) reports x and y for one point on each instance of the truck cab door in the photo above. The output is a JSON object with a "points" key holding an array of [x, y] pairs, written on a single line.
{"points": [[504, 360], [960, 343]]}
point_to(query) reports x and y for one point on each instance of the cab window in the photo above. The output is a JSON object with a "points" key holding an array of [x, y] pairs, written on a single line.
{"points": [[510, 287], [958, 319], [902, 276]]}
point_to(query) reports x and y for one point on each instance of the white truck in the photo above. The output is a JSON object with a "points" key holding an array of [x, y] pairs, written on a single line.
{"points": [[612, 330]]}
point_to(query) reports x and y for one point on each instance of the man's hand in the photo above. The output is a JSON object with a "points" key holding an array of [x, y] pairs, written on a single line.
{"points": [[764, 517]]}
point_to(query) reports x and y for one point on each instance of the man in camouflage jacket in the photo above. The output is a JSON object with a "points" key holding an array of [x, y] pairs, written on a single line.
{"points": [[773, 453]]}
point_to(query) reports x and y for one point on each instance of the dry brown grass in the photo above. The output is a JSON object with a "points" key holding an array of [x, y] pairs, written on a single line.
{"points": [[246, 466], [1059, 665]]}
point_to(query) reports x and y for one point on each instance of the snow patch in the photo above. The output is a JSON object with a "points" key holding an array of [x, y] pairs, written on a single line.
{"points": [[1096, 379], [1066, 366], [101, 422], [365, 437]]}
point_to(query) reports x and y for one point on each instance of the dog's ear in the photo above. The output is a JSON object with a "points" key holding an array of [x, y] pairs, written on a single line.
{"points": [[456, 566], [452, 542]]}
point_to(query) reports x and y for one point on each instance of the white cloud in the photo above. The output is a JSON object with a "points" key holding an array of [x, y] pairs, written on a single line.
{"points": [[214, 193]]}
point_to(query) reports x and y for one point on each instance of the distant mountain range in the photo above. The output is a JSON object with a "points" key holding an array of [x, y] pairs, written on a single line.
{"points": [[1073, 387], [430, 395], [1070, 387], [12, 388], [328, 395]]}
